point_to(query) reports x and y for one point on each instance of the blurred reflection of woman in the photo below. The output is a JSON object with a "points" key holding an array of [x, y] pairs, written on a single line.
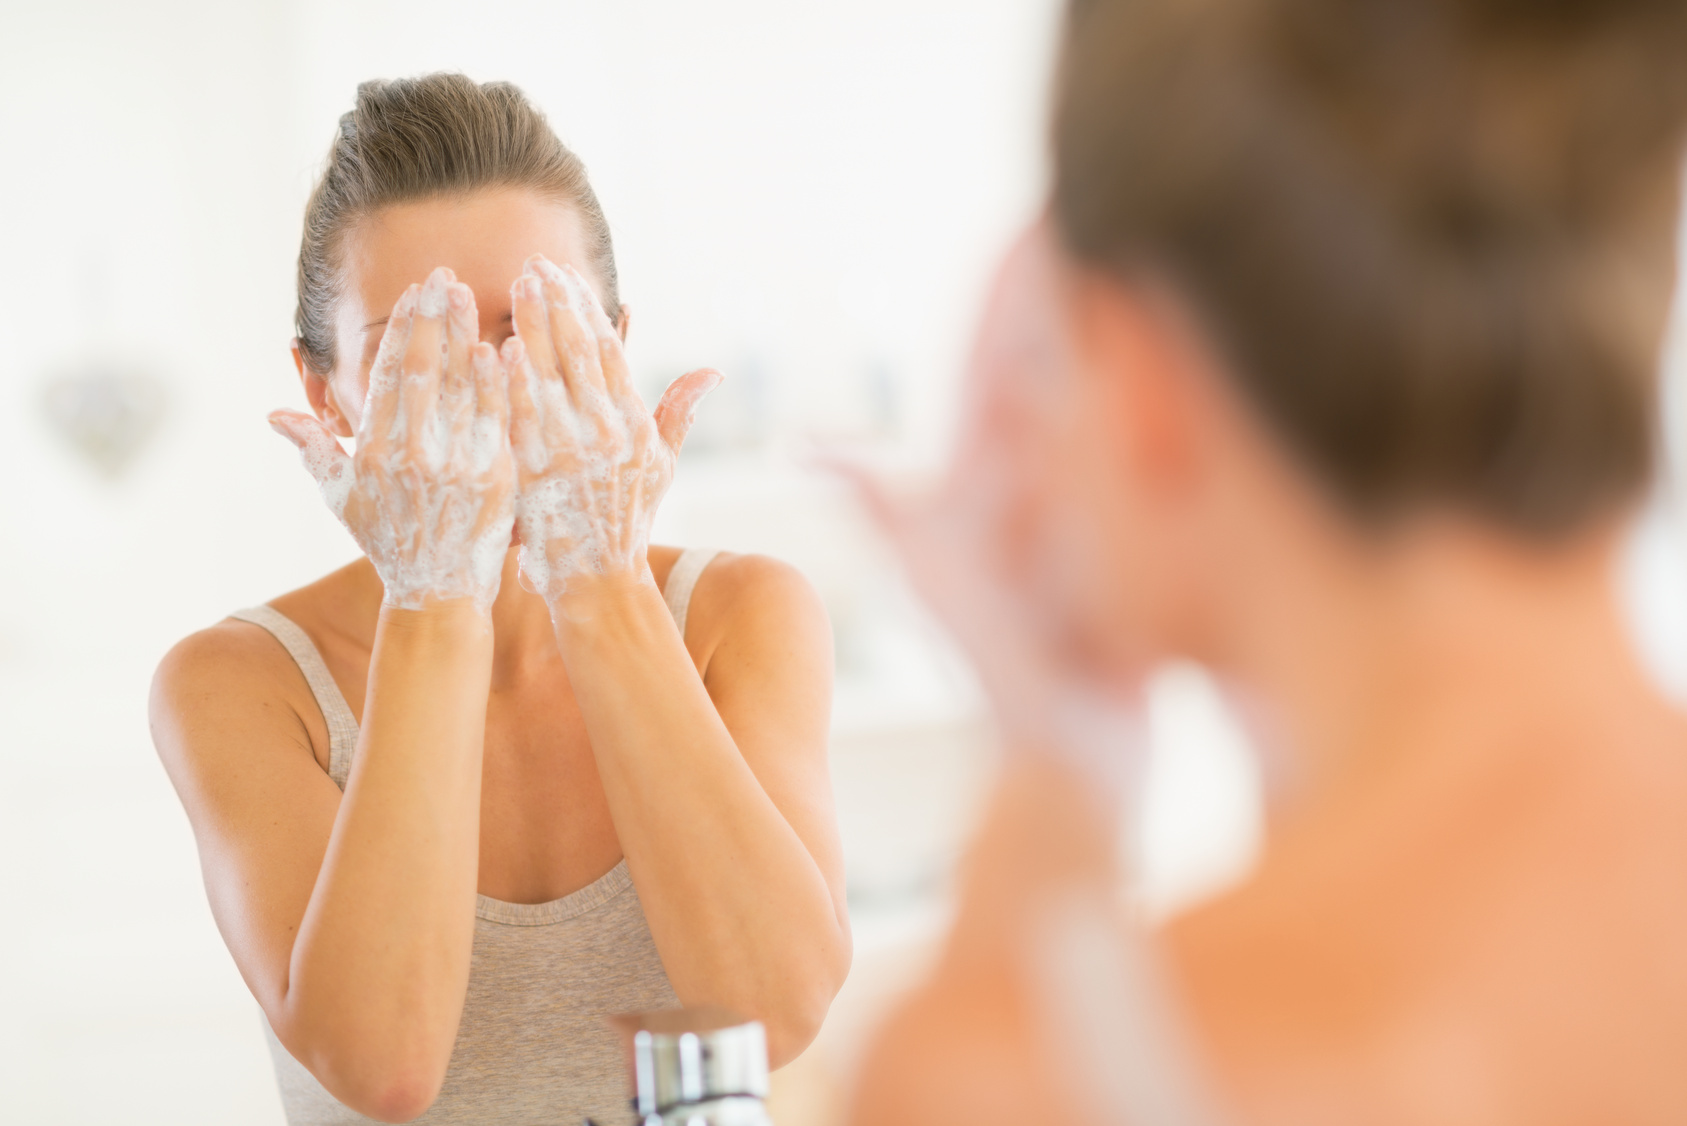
{"points": [[1332, 368], [448, 820]]}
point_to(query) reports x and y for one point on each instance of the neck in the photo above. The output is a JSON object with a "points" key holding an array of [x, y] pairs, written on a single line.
{"points": [[1447, 642]]}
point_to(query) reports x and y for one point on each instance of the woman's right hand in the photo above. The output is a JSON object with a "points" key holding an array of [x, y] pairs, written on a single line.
{"points": [[430, 493]]}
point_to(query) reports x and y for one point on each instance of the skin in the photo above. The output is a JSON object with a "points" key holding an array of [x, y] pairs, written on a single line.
{"points": [[1469, 907], [512, 743]]}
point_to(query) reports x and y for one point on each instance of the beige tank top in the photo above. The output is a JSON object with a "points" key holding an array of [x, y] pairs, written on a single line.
{"points": [[532, 1046]]}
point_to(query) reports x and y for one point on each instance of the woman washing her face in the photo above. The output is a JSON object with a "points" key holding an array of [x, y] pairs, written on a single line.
{"points": [[515, 769], [1333, 367]]}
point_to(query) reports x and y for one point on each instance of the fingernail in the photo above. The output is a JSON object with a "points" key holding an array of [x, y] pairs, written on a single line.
{"points": [[280, 428], [431, 303], [458, 295]]}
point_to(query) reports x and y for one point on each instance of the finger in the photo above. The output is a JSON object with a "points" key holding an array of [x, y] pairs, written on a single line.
{"points": [[491, 386], [917, 526], [458, 385], [904, 518], [321, 453], [380, 402], [611, 355], [418, 388], [882, 509], [533, 329], [678, 407], [526, 421], [577, 349]]}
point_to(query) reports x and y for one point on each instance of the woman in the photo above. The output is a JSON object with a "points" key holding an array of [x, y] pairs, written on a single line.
{"points": [[1333, 368], [454, 808]]}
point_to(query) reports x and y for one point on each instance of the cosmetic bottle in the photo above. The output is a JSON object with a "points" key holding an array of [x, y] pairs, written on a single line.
{"points": [[696, 1067]]}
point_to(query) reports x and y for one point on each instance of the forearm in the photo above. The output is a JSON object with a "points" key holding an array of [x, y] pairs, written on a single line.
{"points": [[380, 967], [740, 910]]}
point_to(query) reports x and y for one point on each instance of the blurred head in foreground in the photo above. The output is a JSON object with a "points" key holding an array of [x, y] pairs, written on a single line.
{"points": [[1425, 249], [1333, 366]]}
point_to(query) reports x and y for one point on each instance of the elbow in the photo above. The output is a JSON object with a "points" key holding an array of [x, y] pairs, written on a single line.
{"points": [[388, 1090], [789, 1035], [381, 1077], [403, 1099], [795, 1022]]}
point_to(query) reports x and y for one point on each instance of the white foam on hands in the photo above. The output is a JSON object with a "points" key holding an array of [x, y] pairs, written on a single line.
{"points": [[430, 493], [593, 463], [458, 444]]}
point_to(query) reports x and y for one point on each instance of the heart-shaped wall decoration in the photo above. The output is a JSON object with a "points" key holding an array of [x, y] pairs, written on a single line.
{"points": [[104, 413]]}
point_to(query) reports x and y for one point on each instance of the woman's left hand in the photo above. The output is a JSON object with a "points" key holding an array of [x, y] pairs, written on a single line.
{"points": [[592, 462], [983, 548]]}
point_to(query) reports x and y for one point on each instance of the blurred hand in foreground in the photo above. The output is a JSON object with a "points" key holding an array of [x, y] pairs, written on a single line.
{"points": [[991, 547]]}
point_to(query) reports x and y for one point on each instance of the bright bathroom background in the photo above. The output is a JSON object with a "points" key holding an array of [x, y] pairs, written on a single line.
{"points": [[809, 196]]}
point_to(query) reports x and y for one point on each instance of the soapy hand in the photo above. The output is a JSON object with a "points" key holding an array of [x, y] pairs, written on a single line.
{"points": [[429, 495], [592, 461], [983, 547]]}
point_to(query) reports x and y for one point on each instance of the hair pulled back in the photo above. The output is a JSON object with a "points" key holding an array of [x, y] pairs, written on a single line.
{"points": [[1434, 239], [416, 138]]}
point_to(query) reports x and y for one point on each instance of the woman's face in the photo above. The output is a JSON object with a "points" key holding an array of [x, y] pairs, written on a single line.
{"points": [[484, 237], [1096, 389], [1045, 439]]}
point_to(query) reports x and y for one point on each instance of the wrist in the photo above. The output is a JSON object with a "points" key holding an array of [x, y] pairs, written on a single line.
{"points": [[601, 606], [451, 622]]}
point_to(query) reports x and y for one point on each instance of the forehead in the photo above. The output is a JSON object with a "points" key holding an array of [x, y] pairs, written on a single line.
{"points": [[484, 237]]}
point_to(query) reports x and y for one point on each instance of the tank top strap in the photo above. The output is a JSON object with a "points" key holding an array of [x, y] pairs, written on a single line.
{"points": [[682, 579], [336, 713]]}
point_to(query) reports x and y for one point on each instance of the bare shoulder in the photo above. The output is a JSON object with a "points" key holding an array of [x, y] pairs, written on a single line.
{"points": [[233, 653], [218, 680], [204, 666], [759, 603], [218, 689], [737, 582]]}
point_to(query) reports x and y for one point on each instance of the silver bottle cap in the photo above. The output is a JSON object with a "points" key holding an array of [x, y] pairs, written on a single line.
{"points": [[696, 1067]]}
